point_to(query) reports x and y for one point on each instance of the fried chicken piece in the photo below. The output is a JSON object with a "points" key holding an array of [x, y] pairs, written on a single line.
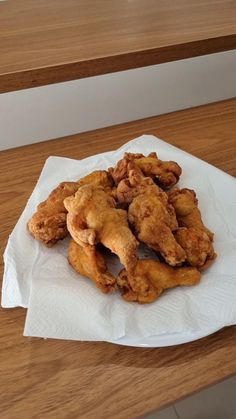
{"points": [[188, 214], [97, 178], [151, 216], [121, 170], [153, 220], [151, 277], [89, 262], [136, 184], [165, 173], [100, 178], [92, 218], [48, 224], [197, 245]]}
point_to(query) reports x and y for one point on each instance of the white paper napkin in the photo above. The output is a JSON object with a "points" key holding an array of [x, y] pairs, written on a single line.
{"points": [[64, 305]]}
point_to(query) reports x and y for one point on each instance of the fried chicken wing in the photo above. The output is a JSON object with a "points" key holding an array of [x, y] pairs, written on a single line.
{"points": [[151, 277], [136, 184], [97, 178], [92, 218], [153, 220], [89, 261], [197, 245], [165, 173], [121, 170], [100, 178], [48, 224], [188, 214], [151, 216]]}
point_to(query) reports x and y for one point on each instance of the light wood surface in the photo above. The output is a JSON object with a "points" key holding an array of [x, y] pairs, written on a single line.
{"points": [[66, 379], [44, 42]]}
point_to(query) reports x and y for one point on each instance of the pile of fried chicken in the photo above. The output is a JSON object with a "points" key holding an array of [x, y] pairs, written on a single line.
{"points": [[134, 202]]}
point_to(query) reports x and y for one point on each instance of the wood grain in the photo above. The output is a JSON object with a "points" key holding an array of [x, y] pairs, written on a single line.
{"points": [[66, 379], [53, 41]]}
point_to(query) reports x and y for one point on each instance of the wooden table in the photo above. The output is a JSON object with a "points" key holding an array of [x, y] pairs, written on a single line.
{"points": [[44, 42], [65, 379]]}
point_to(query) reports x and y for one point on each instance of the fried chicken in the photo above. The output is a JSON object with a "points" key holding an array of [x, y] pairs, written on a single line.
{"points": [[92, 218], [153, 220], [151, 277], [136, 184], [188, 214], [197, 245], [150, 215], [100, 178], [48, 224], [168, 222], [165, 173], [97, 178], [89, 262], [121, 170]]}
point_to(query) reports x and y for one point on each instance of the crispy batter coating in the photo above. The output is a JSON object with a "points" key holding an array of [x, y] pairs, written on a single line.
{"points": [[151, 216], [165, 173], [97, 178], [100, 178], [153, 220], [197, 245], [92, 218], [151, 278], [48, 224], [136, 184], [188, 214], [89, 261], [121, 170]]}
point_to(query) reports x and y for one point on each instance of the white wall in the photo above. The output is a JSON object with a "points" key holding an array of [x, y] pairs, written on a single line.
{"points": [[33, 115]]}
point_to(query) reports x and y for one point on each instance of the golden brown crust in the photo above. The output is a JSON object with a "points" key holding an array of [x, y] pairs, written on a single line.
{"points": [[97, 178], [153, 220], [92, 218], [165, 173], [197, 245], [48, 224], [188, 214], [151, 277], [135, 184], [89, 261]]}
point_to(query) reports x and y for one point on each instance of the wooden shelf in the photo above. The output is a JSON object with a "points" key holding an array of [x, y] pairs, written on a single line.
{"points": [[53, 378], [53, 41]]}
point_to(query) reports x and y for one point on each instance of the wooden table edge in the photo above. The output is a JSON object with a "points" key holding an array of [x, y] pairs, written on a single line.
{"points": [[40, 76], [197, 390]]}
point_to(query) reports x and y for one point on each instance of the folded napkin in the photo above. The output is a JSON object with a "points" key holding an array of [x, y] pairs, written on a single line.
{"points": [[62, 304]]}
